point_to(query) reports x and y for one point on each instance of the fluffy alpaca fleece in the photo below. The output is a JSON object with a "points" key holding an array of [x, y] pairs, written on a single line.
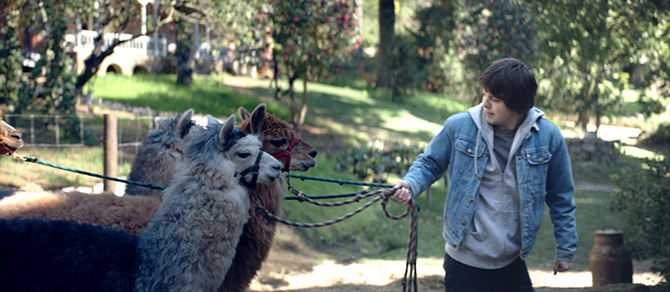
{"points": [[258, 234], [10, 138], [130, 214], [171, 255], [161, 149], [212, 210], [256, 240]]}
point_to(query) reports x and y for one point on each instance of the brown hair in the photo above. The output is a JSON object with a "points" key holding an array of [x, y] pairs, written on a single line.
{"points": [[511, 81]]}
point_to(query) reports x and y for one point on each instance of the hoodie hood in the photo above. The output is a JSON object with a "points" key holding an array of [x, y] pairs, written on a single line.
{"points": [[476, 112], [485, 130]]}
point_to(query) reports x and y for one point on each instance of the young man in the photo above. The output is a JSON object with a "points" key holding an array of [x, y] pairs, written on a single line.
{"points": [[505, 162]]}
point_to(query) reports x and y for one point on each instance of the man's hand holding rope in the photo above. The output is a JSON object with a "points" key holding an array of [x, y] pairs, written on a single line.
{"points": [[403, 192]]}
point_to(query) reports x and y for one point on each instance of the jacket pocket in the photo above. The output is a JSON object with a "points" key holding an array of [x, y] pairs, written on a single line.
{"points": [[537, 165], [465, 155], [538, 158]]}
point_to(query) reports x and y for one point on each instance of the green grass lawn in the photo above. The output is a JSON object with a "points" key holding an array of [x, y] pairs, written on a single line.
{"points": [[348, 117], [160, 92]]}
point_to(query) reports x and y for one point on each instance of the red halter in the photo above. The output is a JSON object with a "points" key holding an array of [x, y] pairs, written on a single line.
{"points": [[287, 152]]}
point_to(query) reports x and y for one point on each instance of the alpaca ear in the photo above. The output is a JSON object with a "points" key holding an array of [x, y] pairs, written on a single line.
{"points": [[212, 121], [244, 113], [184, 123], [258, 119], [227, 130]]}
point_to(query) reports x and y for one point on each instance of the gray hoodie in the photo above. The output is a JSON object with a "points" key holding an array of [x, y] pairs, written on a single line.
{"points": [[493, 240]]}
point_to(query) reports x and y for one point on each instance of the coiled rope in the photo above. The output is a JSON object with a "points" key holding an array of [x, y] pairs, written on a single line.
{"points": [[383, 195]]}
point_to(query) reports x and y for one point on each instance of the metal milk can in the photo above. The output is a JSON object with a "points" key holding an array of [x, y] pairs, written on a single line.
{"points": [[610, 259]]}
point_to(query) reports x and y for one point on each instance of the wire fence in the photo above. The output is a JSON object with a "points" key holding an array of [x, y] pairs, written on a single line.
{"points": [[80, 131]]}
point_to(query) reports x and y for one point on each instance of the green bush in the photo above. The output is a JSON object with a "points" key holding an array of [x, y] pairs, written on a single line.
{"points": [[642, 198], [373, 161]]}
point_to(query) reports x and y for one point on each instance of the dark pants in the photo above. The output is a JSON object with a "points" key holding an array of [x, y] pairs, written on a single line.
{"points": [[461, 277]]}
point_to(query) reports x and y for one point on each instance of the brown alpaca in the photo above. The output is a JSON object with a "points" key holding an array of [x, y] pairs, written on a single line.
{"points": [[161, 149], [10, 138], [130, 213], [258, 233]]}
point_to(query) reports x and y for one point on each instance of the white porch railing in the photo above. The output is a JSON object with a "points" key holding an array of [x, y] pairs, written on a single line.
{"points": [[82, 42]]}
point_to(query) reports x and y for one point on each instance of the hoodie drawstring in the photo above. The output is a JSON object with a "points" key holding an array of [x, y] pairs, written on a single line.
{"points": [[476, 148]]}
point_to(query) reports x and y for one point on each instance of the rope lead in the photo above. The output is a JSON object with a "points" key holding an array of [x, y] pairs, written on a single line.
{"points": [[383, 195], [36, 160]]}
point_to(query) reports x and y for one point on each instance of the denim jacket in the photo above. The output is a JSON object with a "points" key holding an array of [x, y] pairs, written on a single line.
{"points": [[543, 172]]}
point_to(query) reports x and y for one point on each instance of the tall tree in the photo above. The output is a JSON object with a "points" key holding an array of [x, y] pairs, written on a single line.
{"points": [[10, 55], [185, 52], [386, 36], [489, 30], [313, 38], [432, 37], [56, 94], [59, 93], [587, 53], [189, 14]]}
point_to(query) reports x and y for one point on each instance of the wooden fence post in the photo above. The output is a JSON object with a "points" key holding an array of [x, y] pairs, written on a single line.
{"points": [[110, 147]]}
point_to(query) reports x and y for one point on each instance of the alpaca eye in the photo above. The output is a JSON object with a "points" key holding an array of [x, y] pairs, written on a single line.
{"points": [[278, 142], [243, 155]]}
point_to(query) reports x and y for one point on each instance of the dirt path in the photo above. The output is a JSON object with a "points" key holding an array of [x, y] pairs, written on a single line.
{"points": [[293, 266]]}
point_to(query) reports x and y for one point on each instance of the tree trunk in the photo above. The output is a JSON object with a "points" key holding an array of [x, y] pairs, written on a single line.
{"points": [[275, 69], [359, 19], [185, 56], [386, 35], [583, 120], [92, 64], [303, 104], [597, 115], [294, 116]]}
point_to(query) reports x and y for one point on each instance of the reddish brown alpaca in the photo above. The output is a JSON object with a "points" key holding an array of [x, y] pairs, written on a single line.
{"points": [[10, 138], [258, 233]]}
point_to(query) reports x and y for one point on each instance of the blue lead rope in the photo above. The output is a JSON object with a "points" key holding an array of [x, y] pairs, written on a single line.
{"points": [[36, 160], [28, 158], [341, 182]]}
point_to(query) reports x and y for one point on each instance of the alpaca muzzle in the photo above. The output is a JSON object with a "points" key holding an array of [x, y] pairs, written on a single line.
{"points": [[254, 169]]}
